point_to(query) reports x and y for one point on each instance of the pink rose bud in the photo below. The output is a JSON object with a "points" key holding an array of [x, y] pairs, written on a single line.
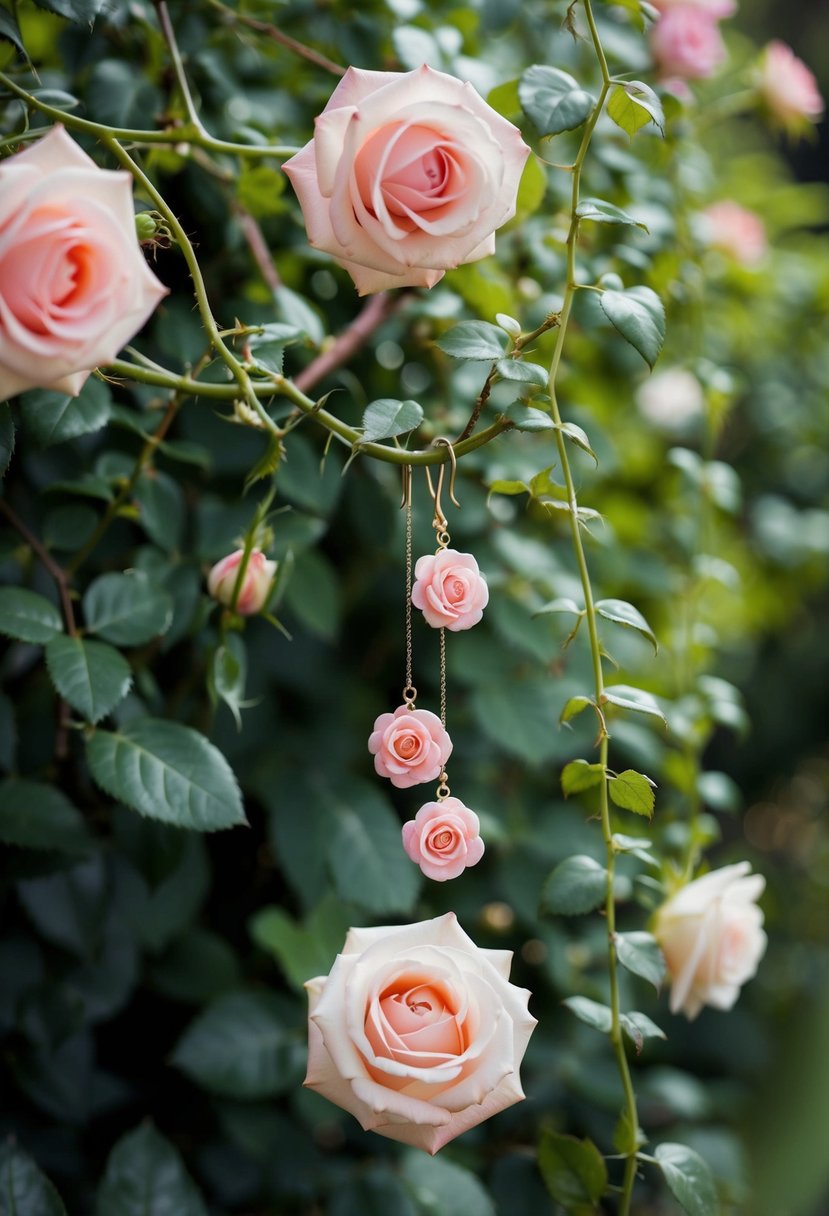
{"points": [[711, 935], [409, 746], [450, 590], [408, 175], [74, 285], [788, 87], [418, 1032], [736, 231], [686, 43], [443, 839], [256, 584]]}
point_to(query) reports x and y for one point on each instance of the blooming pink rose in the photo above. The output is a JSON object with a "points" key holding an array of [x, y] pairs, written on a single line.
{"points": [[409, 746], [450, 590], [736, 231], [443, 838], [74, 285], [418, 1032], [408, 174], [788, 87], [686, 43], [256, 584], [711, 935]]}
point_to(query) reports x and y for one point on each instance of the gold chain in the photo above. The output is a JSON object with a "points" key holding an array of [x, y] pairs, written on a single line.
{"points": [[409, 690]]}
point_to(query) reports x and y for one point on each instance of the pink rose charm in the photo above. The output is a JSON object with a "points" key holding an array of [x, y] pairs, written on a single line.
{"points": [[443, 838], [253, 593], [74, 285], [788, 87], [450, 590], [686, 43], [408, 174], [409, 746]]}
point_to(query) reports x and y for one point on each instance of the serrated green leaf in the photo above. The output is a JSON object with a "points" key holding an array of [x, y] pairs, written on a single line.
{"points": [[580, 775], [573, 1170], [639, 952], [168, 772], [474, 340], [601, 212], [623, 613], [639, 316], [522, 372], [54, 417], [624, 696], [267, 349], [127, 609], [145, 1176], [161, 503], [633, 792], [689, 1179], [638, 1027], [35, 816], [6, 433], [92, 676], [27, 616], [24, 1190], [576, 886], [386, 418], [575, 706], [553, 99], [633, 104], [574, 434], [590, 1012], [526, 418]]}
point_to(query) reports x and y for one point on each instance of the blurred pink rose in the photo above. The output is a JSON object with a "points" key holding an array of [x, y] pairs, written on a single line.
{"points": [[736, 231], [409, 746], [418, 1032], [450, 590], [74, 285], [256, 584], [443, 838], [686, 43], [718, 9], [408, 175], [711, 935], [788, 87]]}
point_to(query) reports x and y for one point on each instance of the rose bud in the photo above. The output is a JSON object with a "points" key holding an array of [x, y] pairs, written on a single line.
{"points": [[256, 585], [789, 88]]}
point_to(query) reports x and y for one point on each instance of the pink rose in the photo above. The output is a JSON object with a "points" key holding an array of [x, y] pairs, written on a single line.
{"points": [[443, 838], [718, 9], [686, 43], [788, 88], [408, 175], [736, 231], [711, 935], [256, 585], [74, 285], [417, 1032], [450, 590], [409, 746]]}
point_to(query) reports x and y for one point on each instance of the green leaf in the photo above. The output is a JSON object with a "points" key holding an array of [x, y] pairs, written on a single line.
{"points": [[145, 1176], [523, 372], [267, 349], [509, 487], [474, 340], [639, 952], [303, 950], [561, 604], [35, 816], [624, 696], [633, 792], [576, 886], [602, 212], [228, 675], [638, 1027], [553, 100], [92, 676], [580, 775], [590, 1012], [239, 1047], [54, 417], [168, 772], [573, 1170], [6, 421], [526, 418], [313, 593], [443, 1187], [364, 852], [24, 1190], [639, 316], [632, 105], [575, 435], [623, 613], [198, 967], [531, 189], [575, 706], [161, 504], [118, 95], [689, 1179], [268, 462], [386, 418], [27, 616], [127, 609]]}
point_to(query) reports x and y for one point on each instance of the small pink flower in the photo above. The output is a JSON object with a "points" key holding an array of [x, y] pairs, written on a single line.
{"points": [[409, 746], [450, 590], [736, 231], [443, 838], [788, 87], [255, 587], [686, 43]]}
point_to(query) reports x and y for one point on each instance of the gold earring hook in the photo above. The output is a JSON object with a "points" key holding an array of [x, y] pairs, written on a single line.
{"points": [[406, 474], [442, 441]]}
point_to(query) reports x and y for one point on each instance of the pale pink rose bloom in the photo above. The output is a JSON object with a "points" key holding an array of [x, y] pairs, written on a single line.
{"points": [[409, 746], [443, 839], [718, 9], [671, 399], [686, 43], [788, 87], [74, 285], [256, 584], [408, 175], [736, 231], [450, 590], [417, 1032], [711, 935]]}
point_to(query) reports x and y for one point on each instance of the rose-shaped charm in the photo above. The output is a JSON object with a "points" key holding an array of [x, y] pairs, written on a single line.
{"points": [[443, 838], [409, 746], [408, 174], [789, 88], [711, 935], [256, 585], [74, 285], [450, 590], [686, 43], [418, 1032]]}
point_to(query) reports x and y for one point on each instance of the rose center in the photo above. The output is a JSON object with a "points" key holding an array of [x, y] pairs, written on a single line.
{"points": [[443, 839], [456, 590], [407, 747]]}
